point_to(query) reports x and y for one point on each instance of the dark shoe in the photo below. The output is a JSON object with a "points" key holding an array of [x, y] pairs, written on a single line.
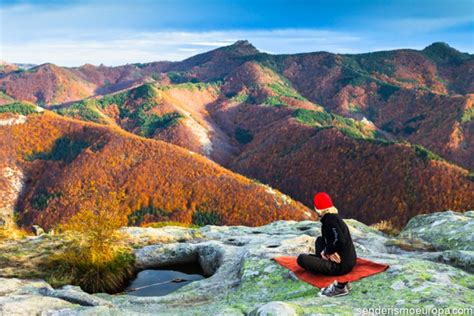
{"points": [[333, 290]]}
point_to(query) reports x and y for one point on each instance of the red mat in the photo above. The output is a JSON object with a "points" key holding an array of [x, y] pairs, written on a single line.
{"points": [[362, 269]]}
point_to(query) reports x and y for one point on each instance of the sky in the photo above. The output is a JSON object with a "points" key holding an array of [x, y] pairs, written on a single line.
{"points": [[76, 32]]}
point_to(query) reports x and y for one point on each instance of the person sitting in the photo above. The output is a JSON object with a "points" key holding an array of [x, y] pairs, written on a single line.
{"points": [[335, 252]]}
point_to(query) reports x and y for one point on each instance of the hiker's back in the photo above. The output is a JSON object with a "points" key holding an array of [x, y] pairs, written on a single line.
{"points": [[344, 245]]}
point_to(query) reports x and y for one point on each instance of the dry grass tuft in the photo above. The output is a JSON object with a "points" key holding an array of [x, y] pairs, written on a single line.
{"points": [[13, 233], [386, 227], [96, 258]]}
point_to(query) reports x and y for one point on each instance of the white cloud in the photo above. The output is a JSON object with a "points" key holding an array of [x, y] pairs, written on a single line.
{"points": [[122, 48], [111, 32]]}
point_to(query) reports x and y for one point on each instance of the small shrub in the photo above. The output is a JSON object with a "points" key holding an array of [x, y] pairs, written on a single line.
{"points": [[109, 276], [201, 218], [95, 257]]}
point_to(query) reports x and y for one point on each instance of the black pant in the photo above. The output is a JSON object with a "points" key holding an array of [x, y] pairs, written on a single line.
{"points": [[318, 265]]}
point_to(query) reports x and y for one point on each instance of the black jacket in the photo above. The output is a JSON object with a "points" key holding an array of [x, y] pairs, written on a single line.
{"points": [[337, 238]]}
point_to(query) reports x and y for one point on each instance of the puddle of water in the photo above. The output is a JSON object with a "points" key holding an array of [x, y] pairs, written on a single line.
{"points": [[159, 282], [162, 282]]}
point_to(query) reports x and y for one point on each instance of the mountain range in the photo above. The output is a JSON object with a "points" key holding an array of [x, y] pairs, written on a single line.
{"points": [[388, 134]]}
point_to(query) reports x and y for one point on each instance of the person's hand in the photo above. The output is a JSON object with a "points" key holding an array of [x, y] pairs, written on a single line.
{"points": [[335, 257], [323, 255]]}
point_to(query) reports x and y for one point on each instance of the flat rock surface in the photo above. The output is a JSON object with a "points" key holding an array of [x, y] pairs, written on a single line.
{"points": [[243, 278], [444, 230]]}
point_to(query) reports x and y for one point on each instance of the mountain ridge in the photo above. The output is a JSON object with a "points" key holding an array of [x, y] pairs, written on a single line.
{"points": [[412, 109], [59, 159]]}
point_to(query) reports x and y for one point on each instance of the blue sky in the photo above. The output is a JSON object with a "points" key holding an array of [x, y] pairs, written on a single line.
{"points": [[71, 33]]}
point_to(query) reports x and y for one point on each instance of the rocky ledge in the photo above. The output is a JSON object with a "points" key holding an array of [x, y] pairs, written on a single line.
{"points": [[431, 264]]}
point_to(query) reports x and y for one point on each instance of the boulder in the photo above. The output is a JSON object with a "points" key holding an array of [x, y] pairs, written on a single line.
{"points": [[444, 230], [33, 305], [147, 235], [23, 297], [458, 258], [75, 295], [10, 286]]}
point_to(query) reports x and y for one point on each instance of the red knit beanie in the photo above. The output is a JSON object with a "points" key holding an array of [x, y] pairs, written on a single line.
{"points": [[322, 201]]}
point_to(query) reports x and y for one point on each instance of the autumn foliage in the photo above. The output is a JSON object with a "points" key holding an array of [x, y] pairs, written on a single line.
{"points": [[152, 174], [369, 180], [95, 257], [388, 134]]}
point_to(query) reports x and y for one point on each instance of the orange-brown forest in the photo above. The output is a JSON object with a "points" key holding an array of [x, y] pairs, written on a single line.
{"points": [[388, 134]]}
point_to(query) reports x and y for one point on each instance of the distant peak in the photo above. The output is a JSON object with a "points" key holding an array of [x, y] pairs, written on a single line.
{"points": [[438, 45], [243, 47], [47, 65], [87, 65], [442, 52], [242, 43]]}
